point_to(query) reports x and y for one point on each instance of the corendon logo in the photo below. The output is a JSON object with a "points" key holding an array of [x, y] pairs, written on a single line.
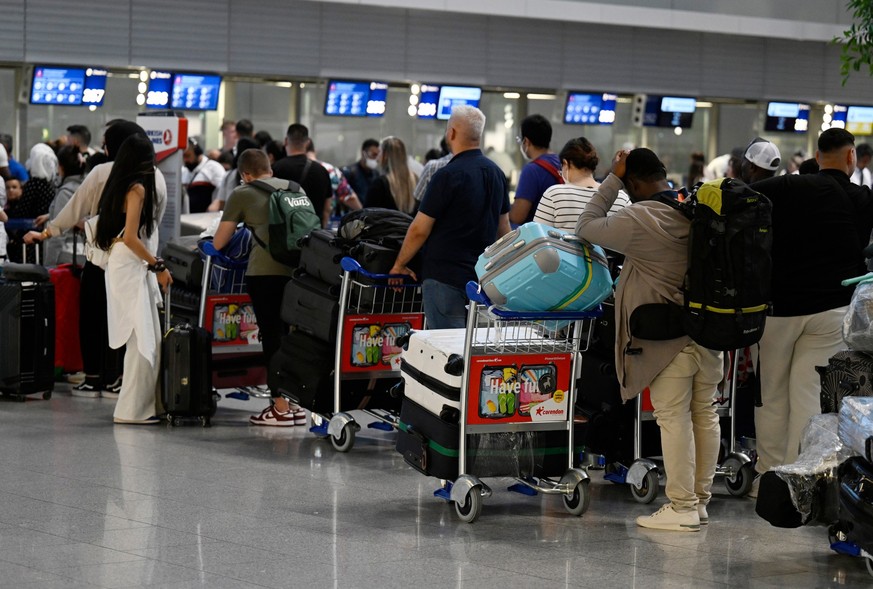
{"points": [[541, 411]]}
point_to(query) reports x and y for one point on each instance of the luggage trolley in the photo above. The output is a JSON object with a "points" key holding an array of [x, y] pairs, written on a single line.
{"points": [[543, 354], [643, 475], [372, 314]]}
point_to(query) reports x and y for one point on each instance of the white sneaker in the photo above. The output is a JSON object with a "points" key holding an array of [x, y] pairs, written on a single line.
{"points": [[671, 520], [702, 514], [756, 484]]}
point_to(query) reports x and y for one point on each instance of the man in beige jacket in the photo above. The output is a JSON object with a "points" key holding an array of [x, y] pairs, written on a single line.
{"points": [[681, 375]]}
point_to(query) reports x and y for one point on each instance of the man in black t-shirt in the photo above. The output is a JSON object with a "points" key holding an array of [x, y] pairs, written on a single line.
{"points": [[465, 209], [309, 174]]}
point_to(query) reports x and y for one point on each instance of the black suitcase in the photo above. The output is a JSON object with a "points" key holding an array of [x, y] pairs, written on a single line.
{"points": [[856, 501], [847, 374], [183, 259], [320, 255], [311, 305], [302, 370], [27, 332], [186, 363]]}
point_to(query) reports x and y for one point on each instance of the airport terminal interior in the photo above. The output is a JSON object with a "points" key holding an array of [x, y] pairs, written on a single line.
{"points": [[88, 503]]}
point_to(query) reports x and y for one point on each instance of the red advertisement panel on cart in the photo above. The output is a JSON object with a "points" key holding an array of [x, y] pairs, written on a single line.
{"points": [[522, 388], [369, 341], [231, 319]]}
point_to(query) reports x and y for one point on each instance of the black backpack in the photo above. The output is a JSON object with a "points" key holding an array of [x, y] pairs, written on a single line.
{"points": [[385, 227], [727, 283]]}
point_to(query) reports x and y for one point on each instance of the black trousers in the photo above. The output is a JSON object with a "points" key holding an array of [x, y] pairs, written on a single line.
{"points": [[266, 293], [97, 357]]}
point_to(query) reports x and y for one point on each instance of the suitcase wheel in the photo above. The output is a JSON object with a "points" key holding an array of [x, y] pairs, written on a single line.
{"points": [[205, 422], [47, 395]]}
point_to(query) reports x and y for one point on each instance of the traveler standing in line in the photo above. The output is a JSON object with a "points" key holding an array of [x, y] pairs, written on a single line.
{"points": [[861, 176], [431, 168], [465, 209], [760, 161], [821, 222], [343, 197], [265, 277], [542, 170], [201, 177], [231, 178], [394, 188], [562, 204], [363, 172], [682, 376], [101, 364], [71, 167], [310, 175], [38, 192], [16, 169], [79, 136], [130, 211]]}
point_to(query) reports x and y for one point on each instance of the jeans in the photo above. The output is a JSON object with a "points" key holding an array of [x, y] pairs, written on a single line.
{"points": [[445, 306], [266, 293]]}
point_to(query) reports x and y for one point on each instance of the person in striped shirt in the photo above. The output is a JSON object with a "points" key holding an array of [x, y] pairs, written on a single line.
{"points": [[562, 204]]}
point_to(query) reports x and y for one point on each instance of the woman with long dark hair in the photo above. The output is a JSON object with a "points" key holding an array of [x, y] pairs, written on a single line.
{"points": [[130, 212]]}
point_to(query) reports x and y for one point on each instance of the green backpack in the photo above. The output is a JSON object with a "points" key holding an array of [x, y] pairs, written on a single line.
{"points": [[291, 217]]}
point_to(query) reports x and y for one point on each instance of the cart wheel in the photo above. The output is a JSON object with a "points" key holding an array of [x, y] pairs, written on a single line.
{"points": [[346, 439], [578, 502], [740, 484], [47, 395], [472, 507], [649, 490], [174, 421]]}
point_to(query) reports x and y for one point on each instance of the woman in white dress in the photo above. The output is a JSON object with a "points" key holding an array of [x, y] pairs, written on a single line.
{"points": [[130, 210]]}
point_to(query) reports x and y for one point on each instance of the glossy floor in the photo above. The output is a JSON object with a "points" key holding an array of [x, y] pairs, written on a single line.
{"points": [[84, 503]]}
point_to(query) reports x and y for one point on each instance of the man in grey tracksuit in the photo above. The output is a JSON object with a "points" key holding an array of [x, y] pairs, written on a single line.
{"points": [[682, 376]]}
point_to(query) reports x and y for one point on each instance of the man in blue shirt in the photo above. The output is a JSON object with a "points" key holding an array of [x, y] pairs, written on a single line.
{"points": [[465, 209], [16, 170], [542, 171]]}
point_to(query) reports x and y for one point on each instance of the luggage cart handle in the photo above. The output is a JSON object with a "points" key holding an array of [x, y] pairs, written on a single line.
{"points": [[350, 264], [478, 296], [858, 279]]}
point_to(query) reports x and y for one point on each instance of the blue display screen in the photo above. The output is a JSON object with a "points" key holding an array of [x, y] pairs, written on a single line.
{"points": [[452, 96], [159, 90], [68, 86], [195, 91], [669, 111], [350, 98], [427, 101], [590, 109], [792, 117], [856, 119]]}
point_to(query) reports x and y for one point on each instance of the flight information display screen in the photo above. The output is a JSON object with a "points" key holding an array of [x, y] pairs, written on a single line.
{"points": [[590, 109], [68, 86], [669, 111], [452, 96], [353, 98], [195, 91], [159, 90], [792, 117]]}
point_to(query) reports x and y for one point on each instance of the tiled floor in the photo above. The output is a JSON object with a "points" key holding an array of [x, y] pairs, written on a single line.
{"points": [[84, 503]]}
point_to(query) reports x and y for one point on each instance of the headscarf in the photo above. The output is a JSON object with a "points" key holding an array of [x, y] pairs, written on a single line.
{"points": [[43, 163]]}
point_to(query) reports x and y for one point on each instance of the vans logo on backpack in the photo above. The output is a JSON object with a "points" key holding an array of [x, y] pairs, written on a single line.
{"points": [[297, 202]]}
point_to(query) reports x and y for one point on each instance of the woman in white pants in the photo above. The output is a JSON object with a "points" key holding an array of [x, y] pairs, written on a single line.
{"points": [[130, 211]]}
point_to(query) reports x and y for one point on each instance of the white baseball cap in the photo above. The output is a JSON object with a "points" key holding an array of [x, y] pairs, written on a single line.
{"points": [[4, 158], [763, 154]]}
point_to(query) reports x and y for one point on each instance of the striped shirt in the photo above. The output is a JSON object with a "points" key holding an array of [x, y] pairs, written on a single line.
{"points": [[562, 204]]}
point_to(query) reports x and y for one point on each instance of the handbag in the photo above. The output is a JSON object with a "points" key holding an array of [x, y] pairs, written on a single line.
{"points": [[93, 253]]}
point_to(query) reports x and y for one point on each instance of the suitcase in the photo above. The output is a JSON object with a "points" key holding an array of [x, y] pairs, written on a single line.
{"points": [[67, 282], [302, 370], [182, 257], [320, 255], [847, 374], [856, 501], [375, 258], [539, 268], [311, 305], [27, 332], [186, 362]]}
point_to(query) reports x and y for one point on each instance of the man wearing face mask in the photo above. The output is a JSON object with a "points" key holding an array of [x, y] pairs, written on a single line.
{"points": [[542, 170], [200, 176], [363, 172]]}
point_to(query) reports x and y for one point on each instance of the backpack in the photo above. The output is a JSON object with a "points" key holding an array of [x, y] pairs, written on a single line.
{"points": [[727, 282], [291, 217], [385, 227]]}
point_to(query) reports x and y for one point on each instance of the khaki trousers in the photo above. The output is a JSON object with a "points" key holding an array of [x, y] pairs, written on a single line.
{"points": [[682, 395]]}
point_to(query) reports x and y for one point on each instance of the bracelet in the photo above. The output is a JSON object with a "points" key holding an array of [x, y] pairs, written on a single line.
{"points": [[45, 234], [158, 267]]}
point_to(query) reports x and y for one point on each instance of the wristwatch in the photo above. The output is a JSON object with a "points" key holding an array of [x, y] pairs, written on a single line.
{"points": [[158, 267]]}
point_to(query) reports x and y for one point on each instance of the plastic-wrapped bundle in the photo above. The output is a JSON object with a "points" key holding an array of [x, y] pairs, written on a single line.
{"points": [[858, 323], [811, 479], [502, 454], [856, 425]]}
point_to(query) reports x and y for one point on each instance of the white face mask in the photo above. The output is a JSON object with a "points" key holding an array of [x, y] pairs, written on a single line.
{"points": [[372, 164], [523, 152]]}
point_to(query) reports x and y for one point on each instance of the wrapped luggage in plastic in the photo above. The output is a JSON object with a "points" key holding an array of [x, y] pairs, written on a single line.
{"points": [[811, 479], [856, 425], [858, 323]]}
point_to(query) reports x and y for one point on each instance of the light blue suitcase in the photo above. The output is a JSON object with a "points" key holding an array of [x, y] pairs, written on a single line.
{"points": [[540, 268]]}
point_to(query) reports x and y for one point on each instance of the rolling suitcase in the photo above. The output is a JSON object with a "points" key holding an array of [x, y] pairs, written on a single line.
{"points": [[539, 268], [856, 501], [302, 370], [186, 362], [320, 255], [848, 373], [182, 257], [66, 279], [27, 331], [311, 305]]}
